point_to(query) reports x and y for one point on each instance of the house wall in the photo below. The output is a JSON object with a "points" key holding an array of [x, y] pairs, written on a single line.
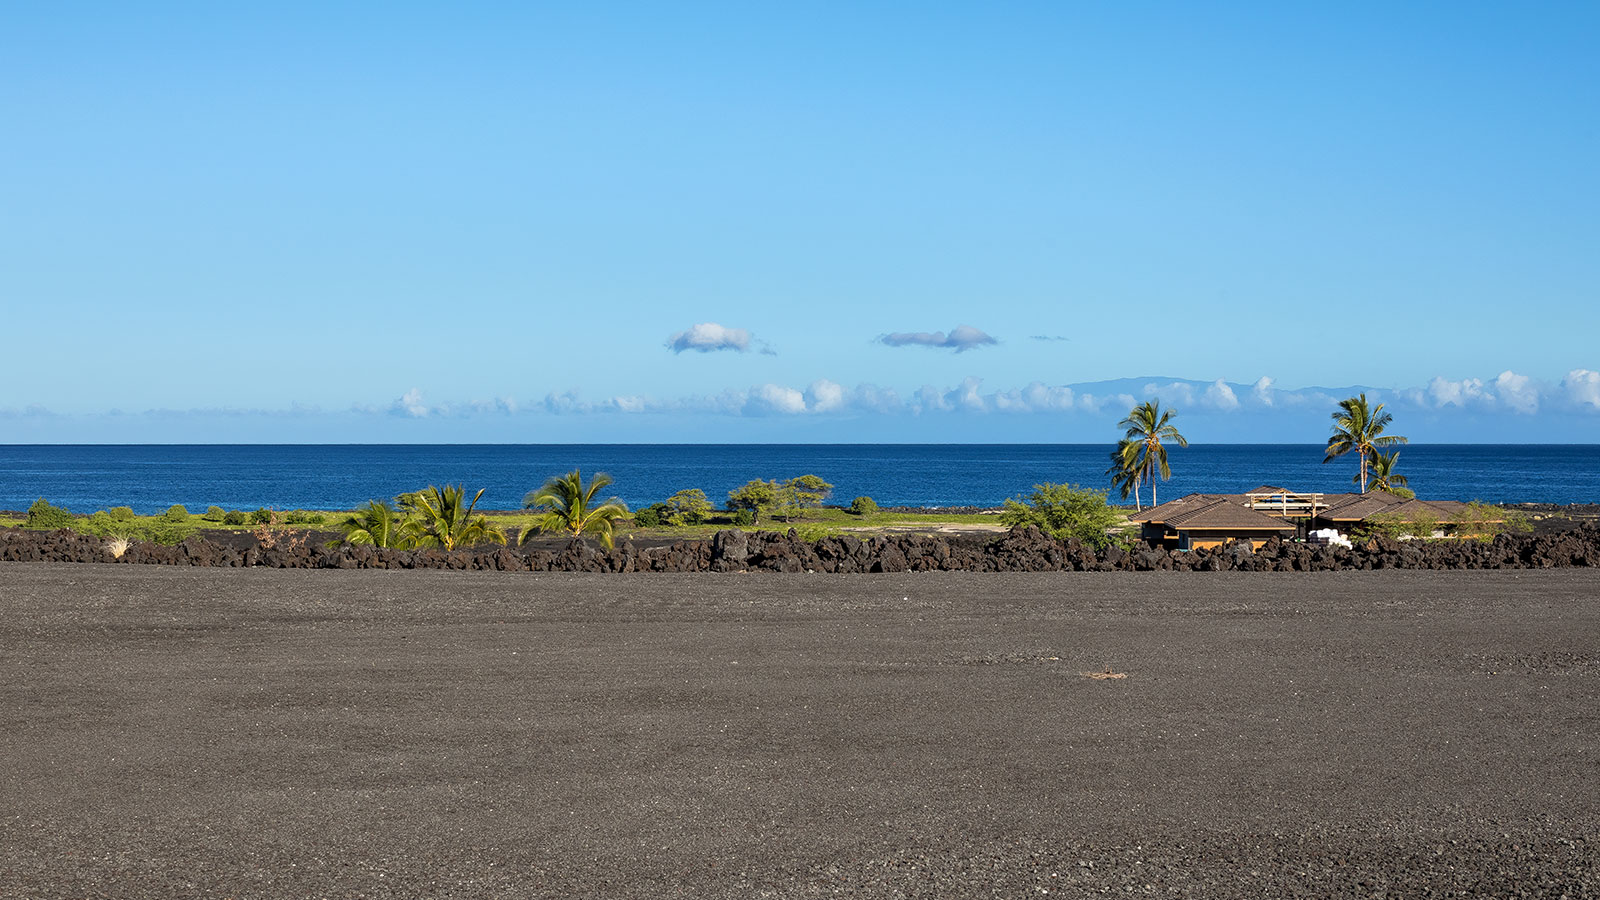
{"points": [[1197, 539]]}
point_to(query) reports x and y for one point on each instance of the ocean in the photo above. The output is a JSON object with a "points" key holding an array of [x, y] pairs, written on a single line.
{"points": [[149, 478]]}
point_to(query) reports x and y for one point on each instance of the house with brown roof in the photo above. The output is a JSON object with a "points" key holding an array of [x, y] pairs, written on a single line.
{"points": [[1209, 520], [1443, 518]]}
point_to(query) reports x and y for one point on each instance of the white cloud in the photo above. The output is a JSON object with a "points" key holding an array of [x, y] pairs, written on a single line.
{"points": [[1261, 391], [824, 396], [1444, 392], [709, 336], [1036, 397], [1517, 391], [1175, 393], [1582, 387], [929, 398], [1220, 396], [770, 399], [960, 339], [410, 404]]}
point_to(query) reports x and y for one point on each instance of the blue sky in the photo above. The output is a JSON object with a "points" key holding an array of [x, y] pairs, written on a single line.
{"points": [[835, 222]]}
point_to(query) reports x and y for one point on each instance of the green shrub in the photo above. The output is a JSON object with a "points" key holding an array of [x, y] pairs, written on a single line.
{"points": [[863, 506], [42, 515], [103, 524], [652, 516], [1065, 511], [215, 514], [165, 531], [121, 513], [236, 517], [779, 500], [1481, 521], [297, 517], [688, 507], [262, 516], [316, 519], [744, 518], [175, 513]]}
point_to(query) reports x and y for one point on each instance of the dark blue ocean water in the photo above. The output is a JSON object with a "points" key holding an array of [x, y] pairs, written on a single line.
{"points": [[150, 478]]}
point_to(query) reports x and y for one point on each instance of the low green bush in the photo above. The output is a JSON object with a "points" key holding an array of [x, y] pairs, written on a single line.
{"points": [[159, 531], [42, 515], [176, 513], [653, 516], [215, 514], [744, 518], [863, 506], [103, 524], [121, 513], [262, 516], [1065, 511], [236, 517], [296, 517], [164, 531]]}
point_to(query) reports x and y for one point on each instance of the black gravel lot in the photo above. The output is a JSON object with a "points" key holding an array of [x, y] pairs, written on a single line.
{"points": [[247, 733]]}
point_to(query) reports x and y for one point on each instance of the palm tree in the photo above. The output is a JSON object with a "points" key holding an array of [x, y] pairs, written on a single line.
{"points": [[1359, 427], [442, 517], [565, 504], [375, 524], [1125, 473], [1384, 477], [1141, 450]]}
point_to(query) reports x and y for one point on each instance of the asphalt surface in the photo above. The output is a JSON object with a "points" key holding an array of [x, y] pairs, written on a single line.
{"points": [[264, 733]]}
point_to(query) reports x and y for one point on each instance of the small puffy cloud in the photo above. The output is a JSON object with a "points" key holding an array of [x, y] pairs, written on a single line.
{"points": [[928, 399], [709, 336], [1508, 390], [960, 339], [1261, 391], [1036, 397], [824, 396], [1582, 388], [1175, 393], [1517, 392], [775, 399], [1219, 396], [1443, 392], [410, 404]]}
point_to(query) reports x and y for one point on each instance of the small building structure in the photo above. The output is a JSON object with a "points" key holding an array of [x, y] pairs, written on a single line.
{"points": [[1210, 520]]}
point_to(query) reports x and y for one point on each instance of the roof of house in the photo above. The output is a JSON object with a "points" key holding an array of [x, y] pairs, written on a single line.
{"points": [[1365, 506], [1225, 513], [1164, 512]]}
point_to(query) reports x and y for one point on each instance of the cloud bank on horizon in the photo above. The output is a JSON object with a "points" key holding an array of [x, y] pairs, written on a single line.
{"points": [[1094, 406]]}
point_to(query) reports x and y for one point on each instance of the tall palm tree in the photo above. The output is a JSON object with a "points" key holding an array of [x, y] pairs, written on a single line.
{"points": [[1359, 427], [1384, 477], [566, 504], [375, 523], [1148, 425], [442, 517], [1125, 473]]}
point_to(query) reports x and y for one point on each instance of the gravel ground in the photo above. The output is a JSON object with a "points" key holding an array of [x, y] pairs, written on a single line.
{"points": [[262, 733]]}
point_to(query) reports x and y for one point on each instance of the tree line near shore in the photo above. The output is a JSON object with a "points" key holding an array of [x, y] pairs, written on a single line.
{"points": [[445, 518]]}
